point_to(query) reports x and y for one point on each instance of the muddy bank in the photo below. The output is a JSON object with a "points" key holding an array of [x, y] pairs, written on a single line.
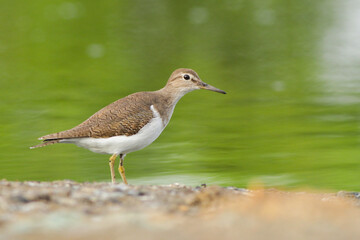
{"points": [[66, 209]]}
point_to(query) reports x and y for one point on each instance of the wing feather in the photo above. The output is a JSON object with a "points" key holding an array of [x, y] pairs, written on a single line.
{"points": [[125, 116]]}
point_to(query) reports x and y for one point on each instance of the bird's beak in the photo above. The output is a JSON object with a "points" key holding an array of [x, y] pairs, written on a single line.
{"points": [[211, 88]]}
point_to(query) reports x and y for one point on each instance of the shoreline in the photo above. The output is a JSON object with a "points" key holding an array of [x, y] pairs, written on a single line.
{"points": [[30, 210]]}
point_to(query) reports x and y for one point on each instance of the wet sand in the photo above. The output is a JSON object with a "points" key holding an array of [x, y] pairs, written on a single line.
{"points": [[71, 210]]}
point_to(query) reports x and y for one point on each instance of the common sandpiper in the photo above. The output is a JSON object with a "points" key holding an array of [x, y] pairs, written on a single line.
{"points": [[130, 123]]}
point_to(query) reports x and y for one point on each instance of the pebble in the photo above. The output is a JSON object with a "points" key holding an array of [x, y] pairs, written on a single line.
{"points": [[62, 203]]}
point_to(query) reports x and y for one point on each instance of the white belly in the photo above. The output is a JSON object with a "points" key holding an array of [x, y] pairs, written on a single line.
{"points": [[123, 144]]}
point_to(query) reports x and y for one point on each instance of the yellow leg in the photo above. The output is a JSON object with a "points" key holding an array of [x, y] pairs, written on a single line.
{"points": [[111, 163], [122, 169]]}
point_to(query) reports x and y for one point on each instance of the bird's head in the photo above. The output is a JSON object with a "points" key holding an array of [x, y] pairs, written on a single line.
{"points": [[185, 80]]}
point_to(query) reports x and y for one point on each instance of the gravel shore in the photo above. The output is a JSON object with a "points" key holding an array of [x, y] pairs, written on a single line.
{"points": [[71, 210]]}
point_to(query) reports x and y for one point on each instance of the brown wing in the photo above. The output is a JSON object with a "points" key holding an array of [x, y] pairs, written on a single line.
{"points": [[126, 117]]}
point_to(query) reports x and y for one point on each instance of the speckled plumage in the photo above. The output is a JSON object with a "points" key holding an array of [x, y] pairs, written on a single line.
{"points": [[125, 116]]}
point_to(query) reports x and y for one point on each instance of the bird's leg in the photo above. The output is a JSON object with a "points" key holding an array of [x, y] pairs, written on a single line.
{"points": [[111, 163], [122, 169]]}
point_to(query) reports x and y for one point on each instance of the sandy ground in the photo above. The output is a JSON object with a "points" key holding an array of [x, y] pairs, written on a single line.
{"points": [[71, 210]]}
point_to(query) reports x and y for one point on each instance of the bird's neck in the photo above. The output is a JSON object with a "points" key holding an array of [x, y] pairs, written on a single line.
{"points": [[173, 94], [169, 97]]}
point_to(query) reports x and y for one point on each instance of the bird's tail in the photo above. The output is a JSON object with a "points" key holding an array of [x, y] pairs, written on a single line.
{"points": [[46, 143]]}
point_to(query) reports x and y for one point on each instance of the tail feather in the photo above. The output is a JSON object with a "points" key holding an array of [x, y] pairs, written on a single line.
{"points": [[46, 143]]}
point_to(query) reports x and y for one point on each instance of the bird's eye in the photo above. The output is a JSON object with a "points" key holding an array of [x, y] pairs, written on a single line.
{"points": [[186, 77]]}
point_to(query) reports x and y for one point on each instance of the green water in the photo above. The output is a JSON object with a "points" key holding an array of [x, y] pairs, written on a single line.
{"points": [[291, 70]]}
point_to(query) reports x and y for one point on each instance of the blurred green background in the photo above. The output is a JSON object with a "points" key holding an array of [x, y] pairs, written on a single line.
{"points": [[291, 70]]}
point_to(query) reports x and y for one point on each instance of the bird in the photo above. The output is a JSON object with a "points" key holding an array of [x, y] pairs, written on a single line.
{"points": [[130, 123]]}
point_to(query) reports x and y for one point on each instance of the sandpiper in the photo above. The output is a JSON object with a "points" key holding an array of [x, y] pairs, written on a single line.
{"points": [[130, 123]]}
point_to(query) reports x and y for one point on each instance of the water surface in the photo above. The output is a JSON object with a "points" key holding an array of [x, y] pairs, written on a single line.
{"points": [[291, 70]]}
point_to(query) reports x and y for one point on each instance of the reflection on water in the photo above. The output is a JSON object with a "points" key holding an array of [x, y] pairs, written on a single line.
{"points": [[341, 53], [291, 70]]}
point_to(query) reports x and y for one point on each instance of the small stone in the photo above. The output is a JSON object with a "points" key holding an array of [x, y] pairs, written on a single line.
{"points": [[346, 194]]}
